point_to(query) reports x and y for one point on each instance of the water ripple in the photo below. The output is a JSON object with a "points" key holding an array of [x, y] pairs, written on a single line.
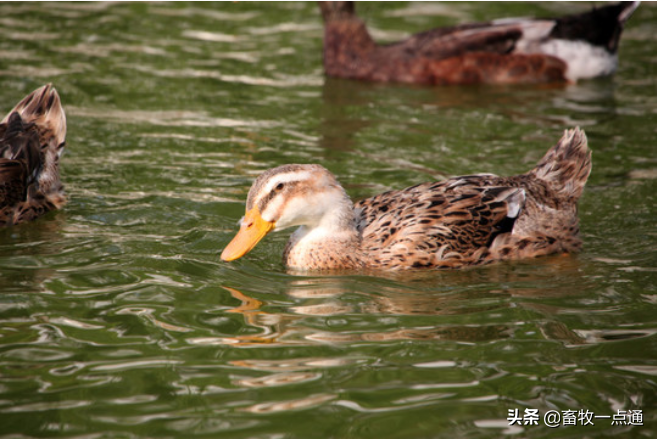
{"points": [[46, 406], [131, 365], [165, 118], [118, 319], [290, 405]]}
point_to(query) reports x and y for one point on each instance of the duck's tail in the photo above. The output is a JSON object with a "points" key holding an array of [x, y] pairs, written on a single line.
{"points": [[567, 165], [600, 26], [43, 108]]}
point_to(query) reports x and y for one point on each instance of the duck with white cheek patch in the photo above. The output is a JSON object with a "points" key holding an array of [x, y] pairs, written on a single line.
{"points": [[462, 221]]}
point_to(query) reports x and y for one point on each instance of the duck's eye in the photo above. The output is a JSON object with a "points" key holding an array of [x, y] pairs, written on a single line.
{"points": [[279, 187]]}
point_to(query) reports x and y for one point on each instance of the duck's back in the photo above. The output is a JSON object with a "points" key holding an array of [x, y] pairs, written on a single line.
{"points": [[476, 219], [443, 224]]}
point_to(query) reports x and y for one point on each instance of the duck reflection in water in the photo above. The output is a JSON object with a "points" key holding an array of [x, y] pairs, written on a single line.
{"points": [[463, 293]]}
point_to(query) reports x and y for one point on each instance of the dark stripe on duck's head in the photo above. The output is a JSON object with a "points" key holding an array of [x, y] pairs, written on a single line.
{"points": [[268, 184]]}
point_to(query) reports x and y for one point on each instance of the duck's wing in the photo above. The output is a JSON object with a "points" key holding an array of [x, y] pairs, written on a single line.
{"points": [[599, 27], [438, 44], [444, 224], [500, 37], [502, 52]]}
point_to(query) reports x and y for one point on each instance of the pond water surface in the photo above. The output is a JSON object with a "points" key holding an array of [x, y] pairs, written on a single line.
{"points": [[118, 319]]}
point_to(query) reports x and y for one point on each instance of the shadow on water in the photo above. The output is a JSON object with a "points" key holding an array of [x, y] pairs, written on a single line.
{"points": [[27, 250], [344, 101]]}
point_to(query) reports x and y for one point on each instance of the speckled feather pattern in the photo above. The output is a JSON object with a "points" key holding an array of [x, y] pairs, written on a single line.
{"points": [[32, 137], [463, 221]]}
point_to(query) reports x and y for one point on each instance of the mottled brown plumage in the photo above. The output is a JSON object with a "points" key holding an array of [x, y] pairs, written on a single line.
{"points": [[502, 52], [32, 138], [467, 220]]}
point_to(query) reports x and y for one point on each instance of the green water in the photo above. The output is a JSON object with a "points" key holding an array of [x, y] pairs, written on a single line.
{"points": [[118, 319]]}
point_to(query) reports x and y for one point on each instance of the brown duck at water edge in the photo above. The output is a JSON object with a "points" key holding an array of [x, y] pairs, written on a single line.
{"points": [[507, 51], [467, 220], [32, 138]]}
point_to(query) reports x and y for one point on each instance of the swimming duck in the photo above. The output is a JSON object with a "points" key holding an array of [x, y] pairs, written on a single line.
{"points": [[32, 138], [467, 220], [506, 51]]}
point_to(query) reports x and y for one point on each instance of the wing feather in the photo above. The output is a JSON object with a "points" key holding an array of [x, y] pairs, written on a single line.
{"points": [[434, 223]]}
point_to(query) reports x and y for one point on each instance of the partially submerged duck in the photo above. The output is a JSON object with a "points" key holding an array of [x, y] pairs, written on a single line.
{"points": [[468, 220], [507, 51], [32, 138]]}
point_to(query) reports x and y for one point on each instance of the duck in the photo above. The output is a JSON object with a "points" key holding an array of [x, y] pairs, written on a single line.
{"points": [[505, 51], [462, 221], [32, 140]]}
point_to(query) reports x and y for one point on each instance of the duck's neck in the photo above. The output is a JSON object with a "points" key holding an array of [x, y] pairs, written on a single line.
{"points": [[347, 47], [332, 243]]}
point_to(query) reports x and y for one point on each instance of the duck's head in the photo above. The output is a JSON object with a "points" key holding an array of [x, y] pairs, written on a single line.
{"points": [[288, 196], [334, 11]]}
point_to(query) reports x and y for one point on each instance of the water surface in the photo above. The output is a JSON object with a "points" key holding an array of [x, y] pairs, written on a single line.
{"points": [[117, 318]]}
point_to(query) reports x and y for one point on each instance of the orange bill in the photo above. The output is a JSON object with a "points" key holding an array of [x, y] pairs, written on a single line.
{"points": [[252, 230]]}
